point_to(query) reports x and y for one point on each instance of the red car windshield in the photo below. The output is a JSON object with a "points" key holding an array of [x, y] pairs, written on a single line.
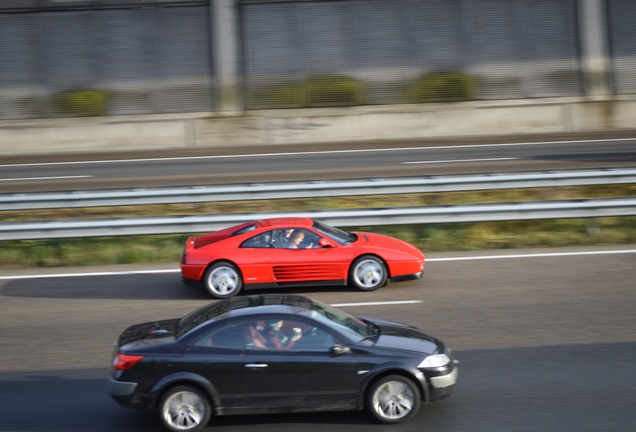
{"points": [[340, 236]]}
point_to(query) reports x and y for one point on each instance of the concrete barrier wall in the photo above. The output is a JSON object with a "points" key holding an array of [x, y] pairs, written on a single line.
{"points": [[272, 127]]}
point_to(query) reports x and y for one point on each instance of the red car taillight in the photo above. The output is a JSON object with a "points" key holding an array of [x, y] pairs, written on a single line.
{"points": [[125, 361]]}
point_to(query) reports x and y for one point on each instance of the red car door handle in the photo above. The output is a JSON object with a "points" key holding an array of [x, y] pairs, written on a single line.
{"points": [[256, 365]]}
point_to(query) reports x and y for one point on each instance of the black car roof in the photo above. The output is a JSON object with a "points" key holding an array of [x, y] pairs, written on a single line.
{"points": [[247, 305], [285, 303]]}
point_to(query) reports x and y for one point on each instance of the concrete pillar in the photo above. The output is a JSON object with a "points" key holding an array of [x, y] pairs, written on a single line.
{"points": [[594, 48], [226, 54]]}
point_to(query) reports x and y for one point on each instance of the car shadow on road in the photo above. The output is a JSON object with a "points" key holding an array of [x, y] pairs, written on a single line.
{"points": [[77, 400], [129, 287], [114, 287]]}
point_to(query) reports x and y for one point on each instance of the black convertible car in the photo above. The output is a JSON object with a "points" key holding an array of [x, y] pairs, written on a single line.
{"points": [[275, 354]]}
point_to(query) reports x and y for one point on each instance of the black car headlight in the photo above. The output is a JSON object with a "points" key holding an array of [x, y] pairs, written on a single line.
{"points": [[435, 361]]}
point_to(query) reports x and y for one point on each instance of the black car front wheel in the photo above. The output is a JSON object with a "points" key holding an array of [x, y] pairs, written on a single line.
{"points": [[223, 280], [393, 399], [368, 273], [184, 409]]}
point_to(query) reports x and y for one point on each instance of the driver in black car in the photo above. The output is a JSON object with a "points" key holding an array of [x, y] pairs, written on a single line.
{"points": [[275, 337]]}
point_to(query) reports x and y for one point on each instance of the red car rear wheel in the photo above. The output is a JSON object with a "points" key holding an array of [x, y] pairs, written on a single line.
{"points": [[223, 280]]}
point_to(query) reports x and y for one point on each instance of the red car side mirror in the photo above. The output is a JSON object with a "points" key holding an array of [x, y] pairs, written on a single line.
{"points": [[323, 243]]}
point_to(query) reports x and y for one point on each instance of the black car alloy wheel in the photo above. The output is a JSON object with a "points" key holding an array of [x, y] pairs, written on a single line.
{"points": [[393, 399], [185, 409]]}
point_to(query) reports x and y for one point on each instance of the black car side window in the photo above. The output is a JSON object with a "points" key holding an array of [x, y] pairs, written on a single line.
{"points": [[291, 335], [224, 337], [315, 339]]}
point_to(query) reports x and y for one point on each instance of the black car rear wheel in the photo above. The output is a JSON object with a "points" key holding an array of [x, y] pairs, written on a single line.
{"points": [[393, 399], [223, 280], [184, 409], [368, 273]]}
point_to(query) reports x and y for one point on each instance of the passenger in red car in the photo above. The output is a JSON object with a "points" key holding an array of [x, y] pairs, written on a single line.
{"points": [[296, 239]]}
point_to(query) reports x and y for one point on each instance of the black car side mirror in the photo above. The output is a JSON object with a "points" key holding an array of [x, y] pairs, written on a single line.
{"points": [[340, 350]]}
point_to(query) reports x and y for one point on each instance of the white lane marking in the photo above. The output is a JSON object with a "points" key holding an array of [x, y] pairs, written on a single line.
{"points": [[457, 160], [44, 178], [111, 273], [487, 257], [460, 146], [538, 255], [377, 303]]}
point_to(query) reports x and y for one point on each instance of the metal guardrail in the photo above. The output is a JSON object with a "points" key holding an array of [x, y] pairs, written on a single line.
{"points": [[342, 218], [314, 189]]}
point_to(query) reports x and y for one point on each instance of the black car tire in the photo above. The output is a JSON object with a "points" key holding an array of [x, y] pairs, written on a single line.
{"points": [[393, 399], [223, 280], [368, 273], [184, 409]]}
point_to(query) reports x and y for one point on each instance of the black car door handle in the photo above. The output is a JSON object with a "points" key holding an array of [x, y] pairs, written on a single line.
{"points": [[256, 365]]}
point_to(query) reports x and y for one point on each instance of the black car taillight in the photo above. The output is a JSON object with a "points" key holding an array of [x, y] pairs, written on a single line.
{"points": [[125, 361]]}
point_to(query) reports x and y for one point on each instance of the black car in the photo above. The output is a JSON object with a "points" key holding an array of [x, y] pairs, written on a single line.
{"points": [[275, 354]]}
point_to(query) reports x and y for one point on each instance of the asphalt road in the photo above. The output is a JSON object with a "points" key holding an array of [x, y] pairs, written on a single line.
{"points": [[546, 340], [313, 162]]}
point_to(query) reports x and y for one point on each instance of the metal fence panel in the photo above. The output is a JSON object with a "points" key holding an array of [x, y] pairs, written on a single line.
{"points": [[382, 48], [408, 51], [621, 22], [105, 58], [126, 59], [19, 66], [270, 57], [550, 44], [438, 36], [495, 55], [185, 66]]}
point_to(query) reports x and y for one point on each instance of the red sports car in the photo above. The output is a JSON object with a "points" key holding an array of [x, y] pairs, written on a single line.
{"points": [[281, 252]]}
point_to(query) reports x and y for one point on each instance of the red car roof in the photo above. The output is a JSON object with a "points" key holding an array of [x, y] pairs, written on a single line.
{"points": [[285, 221]]}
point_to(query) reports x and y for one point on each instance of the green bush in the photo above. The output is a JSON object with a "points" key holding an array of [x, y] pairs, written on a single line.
{"points": [[329, 90], [318, 90], [444, 87], [80, 103]]}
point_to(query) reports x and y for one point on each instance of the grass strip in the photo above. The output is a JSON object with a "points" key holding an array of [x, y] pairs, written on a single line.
{"points": [[429, 238]]}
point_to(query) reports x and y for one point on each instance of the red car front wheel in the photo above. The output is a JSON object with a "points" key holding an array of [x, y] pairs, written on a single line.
{"points": [[368, 273]]}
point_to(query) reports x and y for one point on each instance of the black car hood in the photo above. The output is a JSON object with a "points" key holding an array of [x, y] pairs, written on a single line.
{"points": [[403, 337], [149, 333]]}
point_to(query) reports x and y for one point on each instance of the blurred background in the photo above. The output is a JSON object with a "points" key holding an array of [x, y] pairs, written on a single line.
{"points": [[210, 70]]}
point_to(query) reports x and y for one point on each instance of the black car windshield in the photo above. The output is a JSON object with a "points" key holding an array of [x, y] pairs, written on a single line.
{"points": [[355, 329], [340, 236]]}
